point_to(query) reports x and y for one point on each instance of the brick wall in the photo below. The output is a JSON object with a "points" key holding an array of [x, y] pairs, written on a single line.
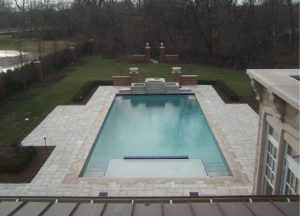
{"points": [[137, 58], [188, 79], [171, 58], [121, 80]]}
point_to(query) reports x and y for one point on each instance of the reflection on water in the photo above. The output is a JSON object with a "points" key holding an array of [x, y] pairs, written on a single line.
{"points": [[10, 59], [151, 101]]}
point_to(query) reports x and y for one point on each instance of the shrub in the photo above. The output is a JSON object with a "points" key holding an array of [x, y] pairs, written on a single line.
{"points": [[87, 87], [22, 158], [3, 92], [223, 87], [19, 79], [230, 94], [207, 82]]}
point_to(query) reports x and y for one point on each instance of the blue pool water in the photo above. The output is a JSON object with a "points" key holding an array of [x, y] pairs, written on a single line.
{"points": [[155, 125]]}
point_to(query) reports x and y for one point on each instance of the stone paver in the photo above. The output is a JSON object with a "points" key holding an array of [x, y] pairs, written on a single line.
{"points": [[73, 129]]}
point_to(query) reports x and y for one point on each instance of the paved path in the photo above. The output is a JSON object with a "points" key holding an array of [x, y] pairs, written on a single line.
{"points": [[73, 129]]}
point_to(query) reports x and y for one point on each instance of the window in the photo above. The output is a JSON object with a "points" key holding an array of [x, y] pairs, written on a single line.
{"points": [[292, 183], [290, 151], [291, 172], [269, 189], [270, 160], [273, 134], [270, 163]]}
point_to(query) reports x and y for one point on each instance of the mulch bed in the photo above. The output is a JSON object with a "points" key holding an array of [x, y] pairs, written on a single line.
{"points": [[41, 155]]}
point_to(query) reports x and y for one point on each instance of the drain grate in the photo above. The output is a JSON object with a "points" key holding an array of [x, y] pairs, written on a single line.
{"points": [[194, 194], [103, 194]]}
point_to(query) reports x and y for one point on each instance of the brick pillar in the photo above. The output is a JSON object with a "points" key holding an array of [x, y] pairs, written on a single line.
{"points": [[147, 52], [162, 52], [176, 74], [39, 69], [73, 54], [134, 74]]}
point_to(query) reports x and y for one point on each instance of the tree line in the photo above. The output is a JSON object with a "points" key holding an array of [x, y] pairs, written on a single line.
{"points": [[234, 33]]}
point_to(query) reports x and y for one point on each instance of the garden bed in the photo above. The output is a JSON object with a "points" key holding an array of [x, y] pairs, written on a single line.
{"points": [[29, 172]]}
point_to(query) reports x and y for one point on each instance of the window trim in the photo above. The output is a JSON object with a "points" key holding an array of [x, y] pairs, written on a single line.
{"points": [[273, 141]]}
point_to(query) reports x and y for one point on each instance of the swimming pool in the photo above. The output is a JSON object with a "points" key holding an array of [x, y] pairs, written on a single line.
{"points": [[155, 126]]}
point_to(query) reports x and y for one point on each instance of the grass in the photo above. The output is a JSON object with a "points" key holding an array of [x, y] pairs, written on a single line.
{"points": [[42, 100], [8, 42]]}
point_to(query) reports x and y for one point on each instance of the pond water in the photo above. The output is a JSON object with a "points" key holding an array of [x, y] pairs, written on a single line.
{"points": [[10, 59]]}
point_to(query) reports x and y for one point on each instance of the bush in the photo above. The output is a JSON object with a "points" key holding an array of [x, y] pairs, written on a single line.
{"points": [[19, 79], [223, 87], [87, 87], [16, 80], [22, 158], [207, 82], [230, 94]]}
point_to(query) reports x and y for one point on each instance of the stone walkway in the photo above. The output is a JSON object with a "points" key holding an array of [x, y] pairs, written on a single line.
{"points": [[73, 129]]}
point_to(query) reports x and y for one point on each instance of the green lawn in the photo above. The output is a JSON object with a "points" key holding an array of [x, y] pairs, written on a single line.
{"points": [[42, 100]]}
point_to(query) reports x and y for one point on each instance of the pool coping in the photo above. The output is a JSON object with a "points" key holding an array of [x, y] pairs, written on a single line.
{"points": [[230, 157]]}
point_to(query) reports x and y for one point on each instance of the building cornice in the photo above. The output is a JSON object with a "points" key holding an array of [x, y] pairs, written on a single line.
{"points": [[278, 82]]}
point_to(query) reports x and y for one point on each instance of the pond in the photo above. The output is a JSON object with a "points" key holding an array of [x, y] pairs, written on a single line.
{"points": [[10, 59]]}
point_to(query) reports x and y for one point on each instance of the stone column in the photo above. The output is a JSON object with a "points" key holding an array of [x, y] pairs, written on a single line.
{"points": [[134, 74], [176, 74], [73, 54], [39, 69], [162, 52], [260, 155], [147, 52]]}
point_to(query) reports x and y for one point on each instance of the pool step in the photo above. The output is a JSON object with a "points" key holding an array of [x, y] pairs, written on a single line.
{"points": [[155, 157], [216, 169], [160, 168]]}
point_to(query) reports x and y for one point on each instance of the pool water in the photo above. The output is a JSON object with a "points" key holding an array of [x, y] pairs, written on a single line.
{"points": [[155, 125]]}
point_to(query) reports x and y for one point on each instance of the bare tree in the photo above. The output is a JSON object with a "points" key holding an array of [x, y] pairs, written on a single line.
{"points": [[292, 21], [227, 32]]}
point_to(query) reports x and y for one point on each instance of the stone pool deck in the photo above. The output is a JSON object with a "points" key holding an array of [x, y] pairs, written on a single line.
{"points": [[73, 129]]}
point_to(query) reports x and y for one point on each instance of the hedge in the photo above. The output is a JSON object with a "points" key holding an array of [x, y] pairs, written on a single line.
{"points": [[230, 94], [207, 82], [222, 86], [22, 158], [86, 88], [19, 79], [16, 80]]}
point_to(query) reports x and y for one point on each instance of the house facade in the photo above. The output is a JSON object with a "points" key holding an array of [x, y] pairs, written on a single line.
{"points": [[277, 159]]}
